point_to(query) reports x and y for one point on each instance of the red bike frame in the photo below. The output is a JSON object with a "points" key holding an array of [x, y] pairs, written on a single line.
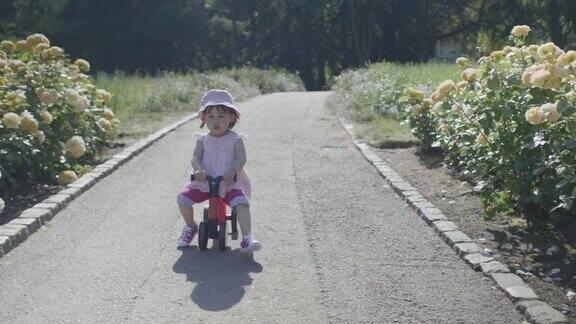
{"points": [[217, 210]]}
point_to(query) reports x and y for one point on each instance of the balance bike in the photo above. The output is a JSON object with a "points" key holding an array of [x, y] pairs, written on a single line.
{"points": [[215, 218]]}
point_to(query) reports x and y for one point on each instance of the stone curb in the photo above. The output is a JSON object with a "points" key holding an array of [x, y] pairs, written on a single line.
{"points": [[525, 299], [32, 219]]}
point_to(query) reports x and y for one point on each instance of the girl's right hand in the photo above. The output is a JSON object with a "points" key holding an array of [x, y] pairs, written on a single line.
{"points": [[200, 175]]}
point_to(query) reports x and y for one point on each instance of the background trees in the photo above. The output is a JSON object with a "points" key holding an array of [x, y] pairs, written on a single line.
{"points": [[316, 38]]}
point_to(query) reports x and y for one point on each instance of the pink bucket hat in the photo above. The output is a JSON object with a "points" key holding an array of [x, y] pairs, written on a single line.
{"points": [[217, 97]]}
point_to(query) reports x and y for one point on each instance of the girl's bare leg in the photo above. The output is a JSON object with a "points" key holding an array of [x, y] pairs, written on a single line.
{"points": [[188, 215], [243, 212]]}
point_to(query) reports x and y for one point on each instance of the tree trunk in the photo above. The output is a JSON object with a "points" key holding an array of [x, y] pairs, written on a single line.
{"points": [[554, 24], [234, 32], [252, 40]]}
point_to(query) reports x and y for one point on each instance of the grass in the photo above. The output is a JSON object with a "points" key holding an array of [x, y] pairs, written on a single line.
{"points": [[370, 96], [384, 132], [127, 91], [142, 102], [427, 73]]}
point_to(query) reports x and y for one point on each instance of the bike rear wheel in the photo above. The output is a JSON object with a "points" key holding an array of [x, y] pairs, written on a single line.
{"points": [[222, 237], [202, 236]]}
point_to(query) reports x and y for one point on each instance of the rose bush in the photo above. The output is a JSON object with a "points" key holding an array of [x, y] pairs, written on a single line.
{"points": [[53, 119], [510, 124]]}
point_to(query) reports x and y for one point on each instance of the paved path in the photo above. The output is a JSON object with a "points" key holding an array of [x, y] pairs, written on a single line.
{"points": [[339, 246]]}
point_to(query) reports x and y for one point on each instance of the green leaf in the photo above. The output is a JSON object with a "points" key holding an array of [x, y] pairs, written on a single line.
{"points": [[562, 105], [570, 144]]}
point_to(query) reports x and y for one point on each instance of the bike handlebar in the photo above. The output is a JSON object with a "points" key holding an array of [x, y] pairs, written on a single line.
{"points": [[213, 183]]}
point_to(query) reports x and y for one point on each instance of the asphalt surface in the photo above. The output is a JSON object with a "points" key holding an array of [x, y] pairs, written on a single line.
{"points": [[339, 245]]}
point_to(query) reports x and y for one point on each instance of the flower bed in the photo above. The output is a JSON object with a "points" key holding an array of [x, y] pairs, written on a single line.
{"points": [[509, 124], [54, 121]]}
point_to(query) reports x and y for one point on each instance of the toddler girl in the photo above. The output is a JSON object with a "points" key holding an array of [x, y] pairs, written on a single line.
{"points": [[220, 152]]}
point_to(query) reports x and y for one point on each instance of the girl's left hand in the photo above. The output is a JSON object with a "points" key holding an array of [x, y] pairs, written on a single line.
{"points": [[229, 177]]}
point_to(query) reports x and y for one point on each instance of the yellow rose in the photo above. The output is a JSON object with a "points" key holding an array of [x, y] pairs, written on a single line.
{"points": [[105, 96], [567, 58], [462, 62], [40, 137], [108, 114], [76, 146], [427, 103], [22, 46], [445, 88], [104, 123], [66, 177], [49, 97], [7, 46], [83, 65], [560, 72], [548, 76], [540, 77], [36, 39], [481, 139], [76, 100], [15, 64], [462, 85], [15, 99], [52, 53], [22, 70], [546, 52], [533, 116], [469, 75], [11, 120], [29, 123], [549, 112], [415, 95], [527, 75], [47, 117], [497, 56], [40, 47], [520, 31]]}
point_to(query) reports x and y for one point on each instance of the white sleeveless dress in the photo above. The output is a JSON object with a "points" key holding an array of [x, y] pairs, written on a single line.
{"points": [[218, 157]]}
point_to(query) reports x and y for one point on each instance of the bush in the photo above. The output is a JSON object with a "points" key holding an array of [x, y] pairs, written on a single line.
{"points": [[510, 124], [267, 81], [171, 91], [54, 120], [378, 89]]}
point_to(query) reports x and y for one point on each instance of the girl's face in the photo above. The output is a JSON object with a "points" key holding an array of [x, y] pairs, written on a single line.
{"points": [[218, 120]]}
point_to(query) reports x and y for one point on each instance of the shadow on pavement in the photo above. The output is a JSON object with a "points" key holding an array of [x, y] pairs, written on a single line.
{"points": [[220, 276]]}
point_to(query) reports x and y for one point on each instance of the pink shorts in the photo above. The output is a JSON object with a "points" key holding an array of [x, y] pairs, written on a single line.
{"points": [[190, 196]]}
